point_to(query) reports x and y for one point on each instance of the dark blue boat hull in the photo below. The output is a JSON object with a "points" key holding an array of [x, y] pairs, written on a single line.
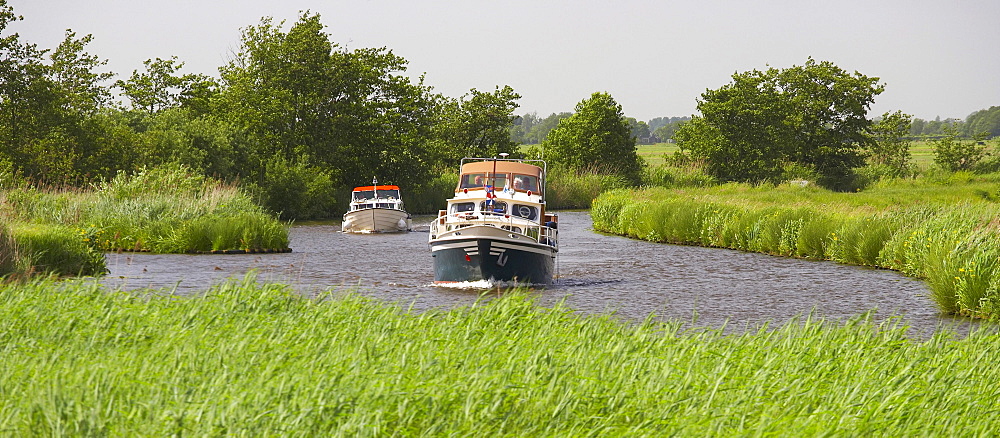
{"points": [[474, 259]]}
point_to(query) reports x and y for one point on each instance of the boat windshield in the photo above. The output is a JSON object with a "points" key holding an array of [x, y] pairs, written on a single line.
{"points": [[362, 195], [526, 182], [474, 180]]}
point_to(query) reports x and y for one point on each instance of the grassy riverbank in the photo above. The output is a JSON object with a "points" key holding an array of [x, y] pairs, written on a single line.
{"points": [[162, 210], [946, 234], [249, 359]]}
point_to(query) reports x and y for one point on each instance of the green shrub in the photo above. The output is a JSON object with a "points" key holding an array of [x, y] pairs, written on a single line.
{"points": [[432, 195], [56, 249]]}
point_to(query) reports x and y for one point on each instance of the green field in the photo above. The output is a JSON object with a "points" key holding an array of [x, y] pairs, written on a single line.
{"points": [[922, 152], [654, 154]]}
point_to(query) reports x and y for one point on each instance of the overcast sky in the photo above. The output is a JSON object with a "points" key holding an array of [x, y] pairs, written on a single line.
{"points": [[936, 58]]}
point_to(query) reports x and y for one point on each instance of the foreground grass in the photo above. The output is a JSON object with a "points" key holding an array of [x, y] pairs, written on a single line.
{"points": [[257, 360], [946, 234]]}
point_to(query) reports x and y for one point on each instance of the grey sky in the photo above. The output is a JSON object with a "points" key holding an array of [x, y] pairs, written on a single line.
{"points": [[937, 58]]}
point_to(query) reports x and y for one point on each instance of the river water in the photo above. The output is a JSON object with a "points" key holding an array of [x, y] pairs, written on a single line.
{"points": [[701, 287]]}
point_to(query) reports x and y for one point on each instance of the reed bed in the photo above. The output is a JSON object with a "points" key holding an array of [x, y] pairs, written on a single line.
{"points": [[162, 210], [949, 236], [250, 359], [568, 189]]}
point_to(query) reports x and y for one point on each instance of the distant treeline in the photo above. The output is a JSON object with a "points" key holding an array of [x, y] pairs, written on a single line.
{"points": [[982, 123], [532, 129]]}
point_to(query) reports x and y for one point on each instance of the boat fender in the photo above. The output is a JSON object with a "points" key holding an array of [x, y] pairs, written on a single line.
{"points": [[401, 224], [552, 225]]}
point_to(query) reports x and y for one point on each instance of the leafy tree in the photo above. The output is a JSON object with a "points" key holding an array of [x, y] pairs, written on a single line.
{"points": [[597, 137], [889, 146], [812, 115], [73, 70], [27, 96], [298, 97], [161, 87], [476, 125], [48, 100], [953, 154]]}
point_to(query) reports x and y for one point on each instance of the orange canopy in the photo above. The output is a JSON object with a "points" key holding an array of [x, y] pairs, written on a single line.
{"points": [[366, 188]]}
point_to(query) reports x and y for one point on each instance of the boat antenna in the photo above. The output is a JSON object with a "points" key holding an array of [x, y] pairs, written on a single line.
{"points": [[374, 201], [503, 155]]}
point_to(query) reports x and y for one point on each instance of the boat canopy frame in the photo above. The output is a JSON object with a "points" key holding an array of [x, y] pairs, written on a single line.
{"points": [[544, 166]]}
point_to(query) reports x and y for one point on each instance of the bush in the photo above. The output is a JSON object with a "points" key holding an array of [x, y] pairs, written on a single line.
{"points": [[55, 249], [296, 190], [432, 195]]}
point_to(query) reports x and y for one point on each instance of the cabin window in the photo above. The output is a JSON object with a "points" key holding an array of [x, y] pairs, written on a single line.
{"points": [[473, 180], [385, 206], [500, 182], [526, 182], [362, 195], [498, 207], [461, 207], [526, 211]]}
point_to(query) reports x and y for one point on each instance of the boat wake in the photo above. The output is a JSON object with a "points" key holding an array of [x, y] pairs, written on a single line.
{"points": [[482, 285]]}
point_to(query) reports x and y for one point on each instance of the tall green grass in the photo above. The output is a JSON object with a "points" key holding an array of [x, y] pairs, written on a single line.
{"points": [[568, 189], [10, 254], [246, 359], [948, 236], [166, 209], [35, 249]]}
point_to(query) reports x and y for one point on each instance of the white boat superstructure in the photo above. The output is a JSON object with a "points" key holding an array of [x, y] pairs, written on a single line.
{"points": [[496, 226], [376, 209]]}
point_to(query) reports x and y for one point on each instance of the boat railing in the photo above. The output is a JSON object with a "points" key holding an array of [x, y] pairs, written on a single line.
{"points": [[541, 233]]}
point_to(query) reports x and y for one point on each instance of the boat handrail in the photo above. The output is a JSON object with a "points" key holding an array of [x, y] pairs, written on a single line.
{"points": [[541, 233]]}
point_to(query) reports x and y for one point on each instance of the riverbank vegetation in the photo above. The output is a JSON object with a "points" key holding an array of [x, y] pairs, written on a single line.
{"points": [[944, 233], [166, 210], [250, 358]]}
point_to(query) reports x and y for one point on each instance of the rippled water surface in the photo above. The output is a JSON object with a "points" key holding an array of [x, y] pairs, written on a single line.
{"points": [[705, 287]]}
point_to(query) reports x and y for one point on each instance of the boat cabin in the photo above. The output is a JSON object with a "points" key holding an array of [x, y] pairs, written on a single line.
{"points": [[509, 175], [366, 197]]}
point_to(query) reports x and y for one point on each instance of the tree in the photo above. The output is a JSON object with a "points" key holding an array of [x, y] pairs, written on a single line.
{"points": [[812, 115], [161, 87], [953, 154], [477, 125], [597, 137], [73, 70], [48, 104], [890, 147], [323, 110]]}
